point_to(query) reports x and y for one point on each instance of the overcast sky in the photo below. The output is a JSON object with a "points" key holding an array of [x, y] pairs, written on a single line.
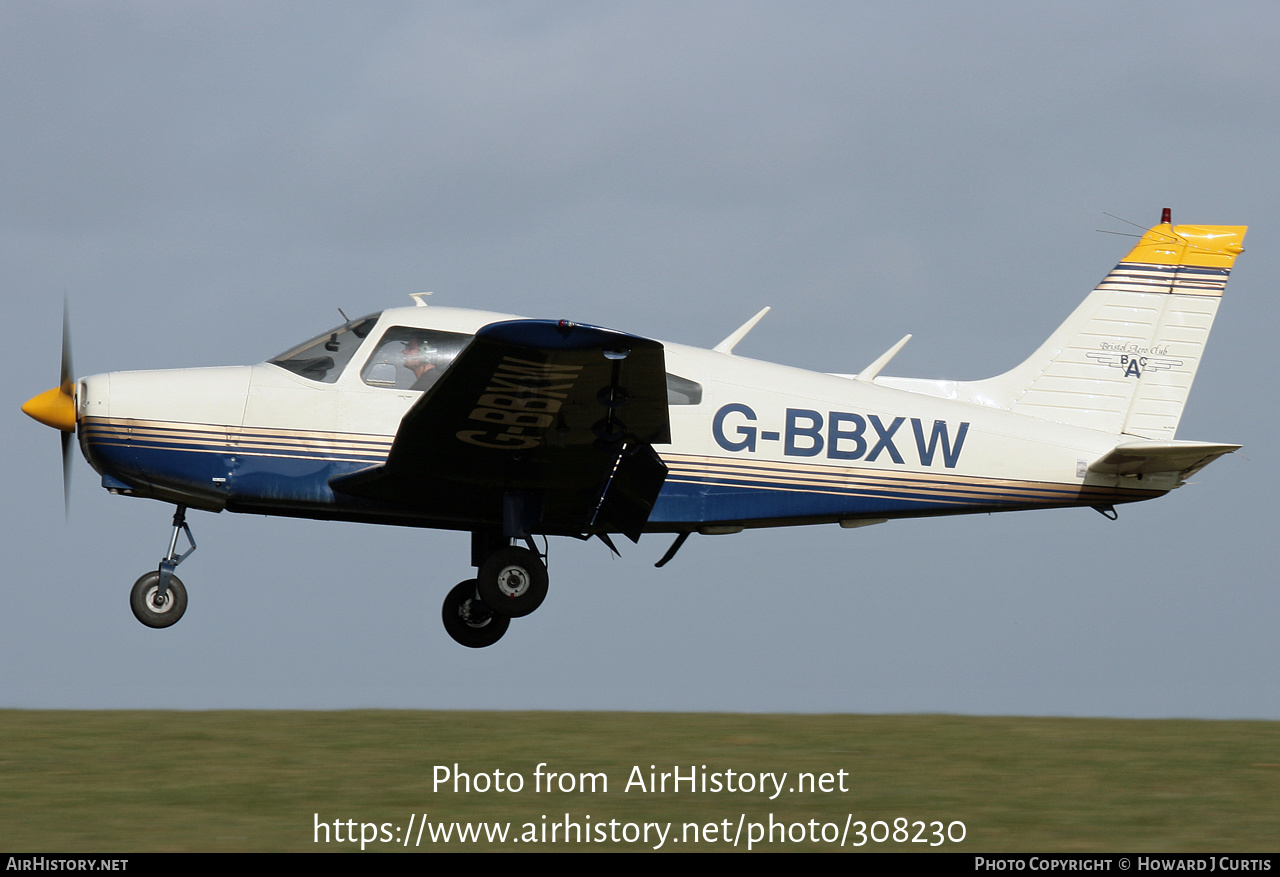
{"points": [[208, 183]]}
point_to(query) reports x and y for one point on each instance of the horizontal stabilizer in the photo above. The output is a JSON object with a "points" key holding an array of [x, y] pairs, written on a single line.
{"points": [[1146, 458]]}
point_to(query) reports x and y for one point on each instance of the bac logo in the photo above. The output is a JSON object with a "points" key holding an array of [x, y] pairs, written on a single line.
{"points": [[1133, 365], [841, 435]]}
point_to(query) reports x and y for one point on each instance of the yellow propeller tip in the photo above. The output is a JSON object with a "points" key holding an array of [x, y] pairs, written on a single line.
{"points": [[53, 408]]}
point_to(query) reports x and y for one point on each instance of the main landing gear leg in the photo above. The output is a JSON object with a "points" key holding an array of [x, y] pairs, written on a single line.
{"points": [[159, 598], [510, 583]]}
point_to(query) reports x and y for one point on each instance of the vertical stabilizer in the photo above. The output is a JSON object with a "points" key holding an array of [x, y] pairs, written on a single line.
{"points": [[1125, 359]]}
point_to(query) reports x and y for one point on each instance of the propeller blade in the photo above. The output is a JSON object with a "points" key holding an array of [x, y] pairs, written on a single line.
{"points": [[66, 384], [67, 459], [68, 376], [57, 407]]}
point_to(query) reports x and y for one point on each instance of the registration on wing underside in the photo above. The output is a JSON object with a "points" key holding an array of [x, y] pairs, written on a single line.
{"points": [[522, 396]]}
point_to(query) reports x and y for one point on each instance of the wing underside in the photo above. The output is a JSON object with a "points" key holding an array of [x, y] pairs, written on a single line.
{"points": [[537, 426]]}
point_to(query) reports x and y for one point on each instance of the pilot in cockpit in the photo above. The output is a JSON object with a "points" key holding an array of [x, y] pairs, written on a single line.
{"points": [[419, 358], [412, 359]]}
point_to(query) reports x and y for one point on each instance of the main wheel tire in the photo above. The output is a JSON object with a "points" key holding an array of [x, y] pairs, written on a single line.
{"points": [[469, 621], [147, 607], [513, 582]]}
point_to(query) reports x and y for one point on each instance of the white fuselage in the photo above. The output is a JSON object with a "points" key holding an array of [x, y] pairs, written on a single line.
{"points": [[752, 443]]}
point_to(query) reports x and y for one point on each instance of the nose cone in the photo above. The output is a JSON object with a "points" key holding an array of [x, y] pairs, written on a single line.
{"points": [[55, 408]]}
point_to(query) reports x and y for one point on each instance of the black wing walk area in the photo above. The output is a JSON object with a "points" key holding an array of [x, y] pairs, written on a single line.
{"points": [[538, 426]]}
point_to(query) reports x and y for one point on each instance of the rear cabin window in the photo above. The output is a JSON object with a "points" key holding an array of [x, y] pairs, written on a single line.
{"points": [[682, 391], [412, 359]]}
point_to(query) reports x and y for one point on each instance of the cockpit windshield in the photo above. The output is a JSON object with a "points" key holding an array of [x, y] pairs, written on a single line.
{"points": [[324, 357]]}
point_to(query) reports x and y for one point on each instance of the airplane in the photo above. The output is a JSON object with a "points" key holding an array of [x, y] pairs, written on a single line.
{"points": [[512, 428]]}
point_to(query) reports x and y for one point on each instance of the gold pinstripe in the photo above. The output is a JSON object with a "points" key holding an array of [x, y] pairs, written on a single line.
{"points": [[212, 438], [810, 478]]}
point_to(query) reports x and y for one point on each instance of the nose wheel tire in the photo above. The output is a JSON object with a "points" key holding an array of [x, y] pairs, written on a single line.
{"points": [[470, 622], [148, 606], [513, 582]]}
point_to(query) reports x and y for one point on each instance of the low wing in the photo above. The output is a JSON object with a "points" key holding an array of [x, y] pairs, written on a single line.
{"points": [[537, 426], [1145, 458]]}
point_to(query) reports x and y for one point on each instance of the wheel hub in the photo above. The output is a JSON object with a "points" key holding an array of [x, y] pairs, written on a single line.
{"points": [[513, 581], [473, 615]]}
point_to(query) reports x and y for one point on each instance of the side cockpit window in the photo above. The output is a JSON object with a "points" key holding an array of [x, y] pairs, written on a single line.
{"points": [[412, 359], [682, 391], [324, 357]]}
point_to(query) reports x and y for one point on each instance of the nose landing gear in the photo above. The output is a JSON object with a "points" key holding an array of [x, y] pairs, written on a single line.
{"points": [[155, 608], [159, 598]]}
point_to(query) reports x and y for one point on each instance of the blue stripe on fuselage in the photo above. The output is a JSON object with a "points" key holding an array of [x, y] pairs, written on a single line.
{"points": [[697, 490]]}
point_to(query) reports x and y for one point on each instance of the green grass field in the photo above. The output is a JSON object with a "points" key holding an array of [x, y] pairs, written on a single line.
{"points": [[255, 781]]}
